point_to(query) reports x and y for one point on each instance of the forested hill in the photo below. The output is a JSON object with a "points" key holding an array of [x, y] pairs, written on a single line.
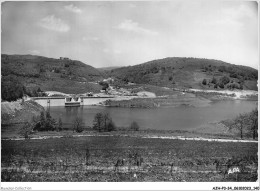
{"points": [[49, 74], [189, 73]]}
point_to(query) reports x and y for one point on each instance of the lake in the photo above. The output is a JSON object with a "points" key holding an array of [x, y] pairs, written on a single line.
{"points": [[163, 118]]}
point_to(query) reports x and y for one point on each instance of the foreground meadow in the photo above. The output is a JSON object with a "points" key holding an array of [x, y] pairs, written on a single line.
{"points": [[117, 158]]}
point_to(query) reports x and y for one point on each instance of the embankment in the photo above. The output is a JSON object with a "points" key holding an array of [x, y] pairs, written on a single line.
{"points": [[19, 111]]}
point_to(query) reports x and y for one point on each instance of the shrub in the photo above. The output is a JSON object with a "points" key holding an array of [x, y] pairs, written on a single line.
{"points": [[224, 80], [42, 70], [214, 80], [233, 86], [233, 75], [56, 70], [222, 68], [104, 85], [204, 82], [221, 85], [134, 126]]}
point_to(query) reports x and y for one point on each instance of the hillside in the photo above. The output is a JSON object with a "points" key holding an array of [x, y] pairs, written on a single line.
{"points": [[189, 73], [49, 74]]}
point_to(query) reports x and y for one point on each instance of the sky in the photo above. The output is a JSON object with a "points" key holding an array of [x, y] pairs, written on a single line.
{"points": [[122, 33]]}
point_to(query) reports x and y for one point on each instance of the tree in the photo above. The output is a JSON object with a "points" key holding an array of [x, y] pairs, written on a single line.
{"points": [[78, 124], [103, 122], [106, 119], [111, 126], [50, 123], [134, 126], [60, 125], [253, 123], [97, 123], [240, 123], [204, 82], [36, 123], [11, 88], [42, 121], [26, 130]]}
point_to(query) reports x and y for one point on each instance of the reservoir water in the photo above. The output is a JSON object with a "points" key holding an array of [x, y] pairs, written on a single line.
{"points": [[162, 118]]}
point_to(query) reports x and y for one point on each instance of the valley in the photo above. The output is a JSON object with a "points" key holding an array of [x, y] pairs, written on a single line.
{"points": [[180, 107]]}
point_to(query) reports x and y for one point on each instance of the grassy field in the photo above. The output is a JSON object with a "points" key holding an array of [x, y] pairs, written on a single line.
{"points": [[117, 158]]}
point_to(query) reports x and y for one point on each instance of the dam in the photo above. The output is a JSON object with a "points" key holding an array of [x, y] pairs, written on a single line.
{"points": [[84, 100]]}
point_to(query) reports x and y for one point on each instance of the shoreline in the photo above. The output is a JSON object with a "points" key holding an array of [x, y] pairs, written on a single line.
{"points": [[133, 136]]}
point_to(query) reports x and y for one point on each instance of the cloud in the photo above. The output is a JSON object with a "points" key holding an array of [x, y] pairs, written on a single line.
{"points": [[130, 26], [34, 51], [112, 51], [238, 13], [131, 5], [106, 50], [90, 38], [117, 51], [72, 8], [52, 23], [234, 16]]}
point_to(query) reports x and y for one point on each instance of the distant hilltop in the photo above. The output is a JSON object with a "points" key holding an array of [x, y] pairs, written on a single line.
{"points": [[64, 58], [49, 74], [177, 72]]}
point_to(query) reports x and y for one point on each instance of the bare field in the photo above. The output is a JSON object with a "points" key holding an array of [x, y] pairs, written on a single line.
{"points": [[115, 158]]}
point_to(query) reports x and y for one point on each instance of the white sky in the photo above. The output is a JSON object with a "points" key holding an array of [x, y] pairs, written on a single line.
{"points": [[105, 34]]}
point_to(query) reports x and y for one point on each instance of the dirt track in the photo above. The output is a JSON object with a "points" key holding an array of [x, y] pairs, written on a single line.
{"points": [[147, 137]]}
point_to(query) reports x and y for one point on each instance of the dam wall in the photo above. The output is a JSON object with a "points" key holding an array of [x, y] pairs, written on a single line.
{"points": [[50, 101], [60, 101]]}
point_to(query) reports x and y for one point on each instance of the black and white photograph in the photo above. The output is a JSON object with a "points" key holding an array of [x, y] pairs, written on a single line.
{"points": [[129, 91]]}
